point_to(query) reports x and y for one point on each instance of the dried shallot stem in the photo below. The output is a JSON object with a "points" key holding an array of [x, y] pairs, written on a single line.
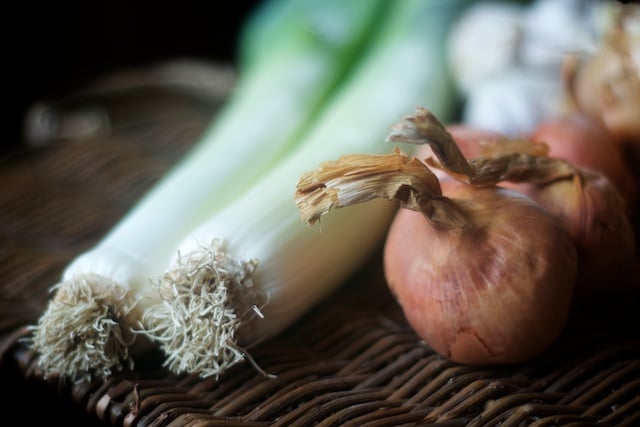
{"points": [[422, 127], [359, 178], [507, 159]]}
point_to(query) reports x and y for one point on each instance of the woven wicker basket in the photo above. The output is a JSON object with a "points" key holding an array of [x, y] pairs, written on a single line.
{"points": [[352, 361]]}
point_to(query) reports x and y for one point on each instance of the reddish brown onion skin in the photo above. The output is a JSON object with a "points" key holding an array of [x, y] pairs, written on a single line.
{"points": [[472, 140], [575, 138], [500, 295], [587, 144], [595, 217], [597, 214]]}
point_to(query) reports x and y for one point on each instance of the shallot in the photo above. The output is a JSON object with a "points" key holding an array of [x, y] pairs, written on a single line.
{"points": [[484, 275], [584, 201]]}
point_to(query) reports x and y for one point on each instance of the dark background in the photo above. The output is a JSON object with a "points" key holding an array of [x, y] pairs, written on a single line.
{"points": [[52, 47]]}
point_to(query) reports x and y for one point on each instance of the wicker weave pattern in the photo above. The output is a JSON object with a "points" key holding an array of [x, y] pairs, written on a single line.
{"points": [[352, 361]]}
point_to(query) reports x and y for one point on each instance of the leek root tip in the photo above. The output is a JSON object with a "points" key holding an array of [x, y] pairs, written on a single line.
{"points": [[80, 335], [207, 297]]}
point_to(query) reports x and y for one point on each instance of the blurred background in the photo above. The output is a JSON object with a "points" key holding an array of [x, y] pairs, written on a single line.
{"points": [[53, 48]]}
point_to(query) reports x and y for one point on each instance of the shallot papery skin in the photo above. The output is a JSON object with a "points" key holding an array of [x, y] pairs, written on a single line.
{"points": [[593, 212], [587, 144], [497, 291]]}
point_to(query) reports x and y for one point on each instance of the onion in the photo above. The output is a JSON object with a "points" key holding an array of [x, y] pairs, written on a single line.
{"points": [[585, 202], [483, 275], [592, 211], [586, 143], [588, 205], [574, 137], [497, 291]]}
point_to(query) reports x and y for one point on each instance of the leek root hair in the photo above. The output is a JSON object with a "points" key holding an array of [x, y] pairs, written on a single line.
{"points": [[87, 312], [207, 295]]}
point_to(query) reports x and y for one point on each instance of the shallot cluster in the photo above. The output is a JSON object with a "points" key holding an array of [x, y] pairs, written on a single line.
{"points": [[495, 239], [570, 167]]}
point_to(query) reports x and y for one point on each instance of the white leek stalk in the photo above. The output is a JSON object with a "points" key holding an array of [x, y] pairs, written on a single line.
{"points": [[252, 269], [87, 328]]}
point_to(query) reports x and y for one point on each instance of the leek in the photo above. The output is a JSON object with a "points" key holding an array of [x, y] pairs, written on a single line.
{"points": [[88, 327], [253, 268]]}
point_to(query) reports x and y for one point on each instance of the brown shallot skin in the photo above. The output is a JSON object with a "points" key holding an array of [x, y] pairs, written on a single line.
{"points": [[591, 209], [498, 291], [604, 236], [596, 207], [586, 143], [573, 137], [473, 141]]}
